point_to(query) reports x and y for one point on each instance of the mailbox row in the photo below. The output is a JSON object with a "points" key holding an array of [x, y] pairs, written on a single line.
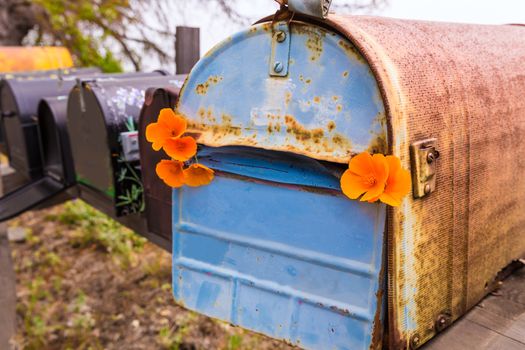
{"points": [[76, 134], [278, 110]]}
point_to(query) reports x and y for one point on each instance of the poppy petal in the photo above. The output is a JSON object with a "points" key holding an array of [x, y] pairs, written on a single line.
{"points": [[198, 175], [156, 134], [352, 185], [381, 169], [390, 200], [373, 192], [170, 172], [172, 122], [361, 164], [181, 148]]}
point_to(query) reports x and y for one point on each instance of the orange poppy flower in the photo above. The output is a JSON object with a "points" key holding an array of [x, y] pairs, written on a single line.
{"points": [[366, 175], [198, 175], [181, 149], [169, 125], [398, 183], [170, 171]]}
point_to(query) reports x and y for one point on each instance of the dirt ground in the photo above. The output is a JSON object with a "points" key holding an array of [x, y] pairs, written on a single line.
{"points": [[84, 282]]}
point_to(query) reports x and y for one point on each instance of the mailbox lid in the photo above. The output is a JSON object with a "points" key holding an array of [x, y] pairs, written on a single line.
{"points": [[327, 107]]}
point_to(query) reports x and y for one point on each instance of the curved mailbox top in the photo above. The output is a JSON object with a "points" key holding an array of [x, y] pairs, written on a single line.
{"points": [[51, 73], [327, 107]]}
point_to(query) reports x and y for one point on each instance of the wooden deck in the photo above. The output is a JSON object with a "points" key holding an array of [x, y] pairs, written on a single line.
{"points": [[497, 322]]}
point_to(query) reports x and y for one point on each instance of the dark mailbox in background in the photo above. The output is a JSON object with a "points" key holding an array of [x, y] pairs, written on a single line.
{"points": [[103, 116], [156, 194], [19, 99]]}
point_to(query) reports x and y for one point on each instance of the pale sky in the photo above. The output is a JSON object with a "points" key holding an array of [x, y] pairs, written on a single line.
{"points": [[215, 28]]}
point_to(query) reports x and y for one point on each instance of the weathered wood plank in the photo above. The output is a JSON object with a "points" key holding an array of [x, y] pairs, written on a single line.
{"points": [[469, 335], [187, 48], [497, 322]]}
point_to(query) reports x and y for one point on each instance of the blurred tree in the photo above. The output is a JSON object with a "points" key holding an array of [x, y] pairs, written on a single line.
{"points": [[105, 32]]}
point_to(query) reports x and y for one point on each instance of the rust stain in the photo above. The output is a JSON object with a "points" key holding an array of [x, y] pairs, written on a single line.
{"points": [[202, 88], [345, 74], [314, 42], [318, 143], [317, 99]]}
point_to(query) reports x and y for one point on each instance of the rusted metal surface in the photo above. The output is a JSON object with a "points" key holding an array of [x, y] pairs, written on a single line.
{"points": [[16, 59], [326, 107], [463, 85]]}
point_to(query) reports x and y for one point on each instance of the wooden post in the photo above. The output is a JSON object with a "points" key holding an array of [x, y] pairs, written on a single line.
{"points": [[7, 285], [187, 49]]}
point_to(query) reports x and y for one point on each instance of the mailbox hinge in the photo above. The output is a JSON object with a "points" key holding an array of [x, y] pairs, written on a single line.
{"points": [[280, 55], [423, 156]]}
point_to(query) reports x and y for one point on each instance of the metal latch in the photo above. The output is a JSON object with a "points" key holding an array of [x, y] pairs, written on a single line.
{"points": [[423, 156], [316, 8], [280, 54]]}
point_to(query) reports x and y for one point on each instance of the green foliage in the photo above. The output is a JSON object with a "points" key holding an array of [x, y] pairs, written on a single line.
{"points": [[95, 228], [67, 22]]}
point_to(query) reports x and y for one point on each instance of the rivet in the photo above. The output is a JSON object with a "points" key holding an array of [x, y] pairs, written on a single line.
{"points": [[280, 36], [278, 67], [427, 188]]}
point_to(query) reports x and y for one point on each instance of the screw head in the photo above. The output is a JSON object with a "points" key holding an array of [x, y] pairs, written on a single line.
{"points": [[278, 67], [427, 188], [280, 36], [431, 157]]}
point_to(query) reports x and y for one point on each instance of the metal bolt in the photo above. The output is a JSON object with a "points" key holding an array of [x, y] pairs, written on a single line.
{"points": [[414, 341], [427, 188], [278, 67], [280, 36]]}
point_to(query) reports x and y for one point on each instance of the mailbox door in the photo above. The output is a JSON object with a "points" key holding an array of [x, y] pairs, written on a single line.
{"points": [[271, 244]]}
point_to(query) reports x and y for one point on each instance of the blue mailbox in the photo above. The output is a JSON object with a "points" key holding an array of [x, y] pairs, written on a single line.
{"points": [[279, 109], [272, 245]]}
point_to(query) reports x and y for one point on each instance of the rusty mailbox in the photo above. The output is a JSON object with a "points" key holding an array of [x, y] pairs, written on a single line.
{"points": [[157, 195], [279, 109], [103, 116]]}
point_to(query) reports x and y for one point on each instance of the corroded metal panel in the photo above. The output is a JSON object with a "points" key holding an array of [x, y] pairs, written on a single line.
{"points": [[327, 107], [463, 85], [302, 266]]}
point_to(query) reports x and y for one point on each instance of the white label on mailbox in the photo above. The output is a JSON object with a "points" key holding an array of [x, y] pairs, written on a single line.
{"points": [[130, 145]]}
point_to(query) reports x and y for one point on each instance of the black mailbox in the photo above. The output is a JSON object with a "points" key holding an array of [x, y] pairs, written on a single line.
{"points": [[156, 194], [46, 141], [52, 73], [58, 170], [102, 123], [19, 98]]}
